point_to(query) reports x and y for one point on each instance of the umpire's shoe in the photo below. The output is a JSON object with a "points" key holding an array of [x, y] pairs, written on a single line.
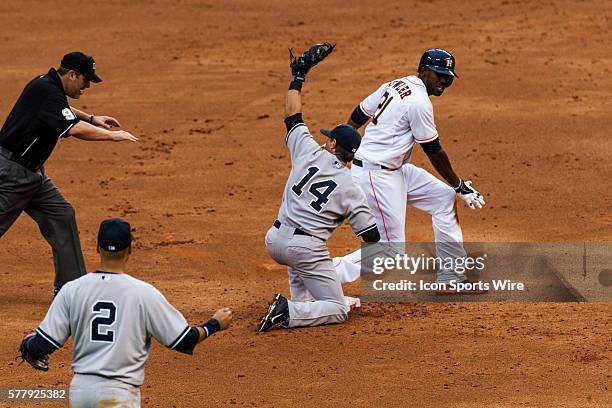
{"points": [[277, 314]]}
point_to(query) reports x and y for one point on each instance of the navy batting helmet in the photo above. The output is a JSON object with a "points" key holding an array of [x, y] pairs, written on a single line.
{"points": [[440, 61]]}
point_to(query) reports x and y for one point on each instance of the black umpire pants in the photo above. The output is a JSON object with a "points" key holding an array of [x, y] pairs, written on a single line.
{"points": [[34, 193]]}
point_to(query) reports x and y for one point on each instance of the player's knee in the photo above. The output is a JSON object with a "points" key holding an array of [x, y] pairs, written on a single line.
{"points": [[449, 193], [447, 197]]}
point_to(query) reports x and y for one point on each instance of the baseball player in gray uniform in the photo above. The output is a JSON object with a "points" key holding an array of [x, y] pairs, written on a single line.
{"points": [[318, 197], [111, 317]]}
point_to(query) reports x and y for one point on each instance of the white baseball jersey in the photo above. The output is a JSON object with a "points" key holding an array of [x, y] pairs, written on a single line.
{"points": [[320, 192], [401, 114], [111, 318]]}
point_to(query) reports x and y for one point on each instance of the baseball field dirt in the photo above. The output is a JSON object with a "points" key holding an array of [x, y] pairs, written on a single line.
{"points": [[202, 84]]}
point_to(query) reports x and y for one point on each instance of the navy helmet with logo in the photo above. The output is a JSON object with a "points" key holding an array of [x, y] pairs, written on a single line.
{"points": [[440, 61]]}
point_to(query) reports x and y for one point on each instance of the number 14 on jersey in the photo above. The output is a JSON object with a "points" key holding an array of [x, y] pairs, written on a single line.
{"points": [[319, 190]]}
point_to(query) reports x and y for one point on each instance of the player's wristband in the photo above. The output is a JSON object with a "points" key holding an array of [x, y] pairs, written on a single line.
{"points": [[296, 84], [463, 188], [211, 326], [458, 188]]}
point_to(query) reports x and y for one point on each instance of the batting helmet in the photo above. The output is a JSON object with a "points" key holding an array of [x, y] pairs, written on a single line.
{"points": [[440, 61]]}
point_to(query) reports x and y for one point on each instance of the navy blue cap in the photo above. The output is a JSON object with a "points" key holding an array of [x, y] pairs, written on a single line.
{"points": [[440, 61], [81, 63], [346, 136], [114, 235]]}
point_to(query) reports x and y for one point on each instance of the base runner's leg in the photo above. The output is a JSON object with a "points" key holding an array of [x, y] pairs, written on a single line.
{"points": [[386, 195], [56, 219], [428, 193]]}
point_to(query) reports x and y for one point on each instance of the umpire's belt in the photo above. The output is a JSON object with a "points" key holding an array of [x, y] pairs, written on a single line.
{"points": [[19, 160], [277, 225], [370, 166]]}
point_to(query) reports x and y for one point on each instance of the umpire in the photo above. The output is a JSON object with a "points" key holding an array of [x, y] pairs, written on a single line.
{"points": [[40, 117]]}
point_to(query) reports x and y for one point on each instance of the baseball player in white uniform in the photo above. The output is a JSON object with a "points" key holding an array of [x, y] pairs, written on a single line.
{"points": [[401, 114], [318, 197], [111, 317]]}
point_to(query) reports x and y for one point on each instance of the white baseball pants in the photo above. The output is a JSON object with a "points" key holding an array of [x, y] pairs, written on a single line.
{"points": [[388, 193]]}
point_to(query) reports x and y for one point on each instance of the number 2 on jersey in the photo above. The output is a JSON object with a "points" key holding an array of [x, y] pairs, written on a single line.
{"points": [[384, 102], [105, 315], [320, 190]]}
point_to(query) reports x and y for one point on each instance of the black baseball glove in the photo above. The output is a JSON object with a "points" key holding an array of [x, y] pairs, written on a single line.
{"points": [[315, 54], [38, 362]]}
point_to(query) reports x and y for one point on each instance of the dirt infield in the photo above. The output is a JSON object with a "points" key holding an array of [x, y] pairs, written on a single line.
{"points": [[202, 84]]}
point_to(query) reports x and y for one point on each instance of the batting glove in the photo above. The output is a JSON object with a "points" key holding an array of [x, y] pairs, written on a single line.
{"points": [[467, 193]]}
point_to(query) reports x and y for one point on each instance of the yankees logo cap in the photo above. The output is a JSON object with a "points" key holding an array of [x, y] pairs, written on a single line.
{"points": [[345, 135], [81, 63], [114, 235]]}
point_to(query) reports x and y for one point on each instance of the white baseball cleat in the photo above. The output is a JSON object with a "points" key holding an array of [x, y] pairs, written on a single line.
{"points": [[352, 302]]}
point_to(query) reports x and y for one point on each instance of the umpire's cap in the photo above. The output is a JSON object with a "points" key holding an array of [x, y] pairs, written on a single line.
{"points": [[114, 235], [81, 63], [439, 61], [346, 136]]}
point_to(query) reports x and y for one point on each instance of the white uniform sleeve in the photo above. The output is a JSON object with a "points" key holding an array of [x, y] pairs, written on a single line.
{"points": [[55, 328], [359, 216], [370, 104], [421, 120], [164, 321]]}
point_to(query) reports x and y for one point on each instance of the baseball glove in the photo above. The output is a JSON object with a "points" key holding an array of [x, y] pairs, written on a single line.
{"points": [[315, 54], [38, 362]]}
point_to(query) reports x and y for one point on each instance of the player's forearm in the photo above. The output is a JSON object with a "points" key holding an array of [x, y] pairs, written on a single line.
{"points": [[358, 118], [208, 329], [443, 166], [39, 346], [293, 102], [196, 335]]}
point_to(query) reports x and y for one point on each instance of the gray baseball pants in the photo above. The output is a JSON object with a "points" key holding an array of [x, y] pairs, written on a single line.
{"points": [[33, 192], [92, 391], [316, 292]]}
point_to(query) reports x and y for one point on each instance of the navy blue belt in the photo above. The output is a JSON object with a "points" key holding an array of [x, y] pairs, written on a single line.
{"points": [[359, 163], [19, 160], [277, 225]]}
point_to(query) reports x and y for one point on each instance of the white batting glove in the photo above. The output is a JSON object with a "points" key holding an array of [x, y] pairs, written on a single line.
{"points": [[467, 193]]}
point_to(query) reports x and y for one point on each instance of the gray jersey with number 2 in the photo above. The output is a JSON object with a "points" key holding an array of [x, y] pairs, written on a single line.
{"points": [[111, 318], [320, 193]]}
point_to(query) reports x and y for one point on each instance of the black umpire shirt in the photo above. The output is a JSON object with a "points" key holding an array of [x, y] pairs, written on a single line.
{"points": [[39, 118]]}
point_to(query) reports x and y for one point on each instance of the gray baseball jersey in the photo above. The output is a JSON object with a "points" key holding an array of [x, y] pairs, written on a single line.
{"points": [[320, 193], [112, 318]]}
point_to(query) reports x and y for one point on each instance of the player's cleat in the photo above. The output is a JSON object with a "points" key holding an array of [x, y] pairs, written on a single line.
{"points": [[352, 302], [466, 287], [277, 314]]}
